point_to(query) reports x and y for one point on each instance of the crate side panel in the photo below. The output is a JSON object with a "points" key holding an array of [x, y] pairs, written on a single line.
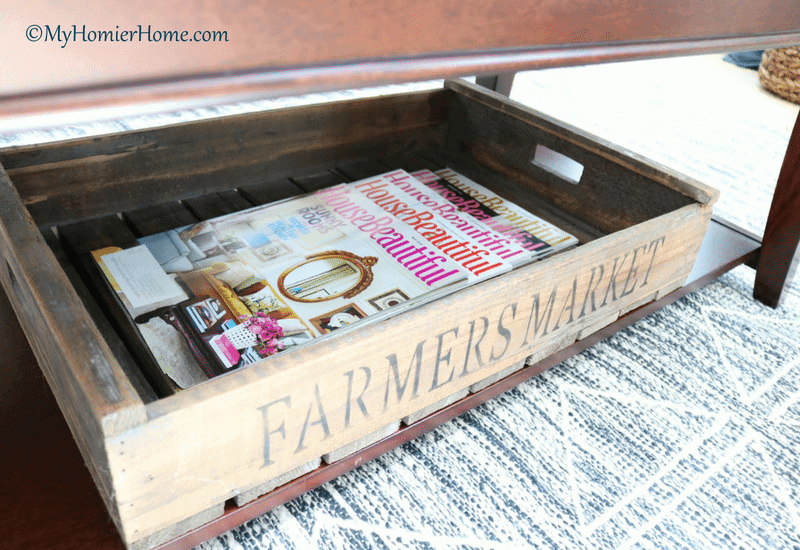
{"points": [[188, 132], [253, 425], [49, 306], [684, 185], [615, 189], [190, 160]]}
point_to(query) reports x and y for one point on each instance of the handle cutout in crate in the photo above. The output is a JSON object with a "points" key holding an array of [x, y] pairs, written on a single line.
{"points": [[557, 163]]}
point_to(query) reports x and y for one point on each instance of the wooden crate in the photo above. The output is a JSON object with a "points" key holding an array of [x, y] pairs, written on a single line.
{"points": [[166, 465]]}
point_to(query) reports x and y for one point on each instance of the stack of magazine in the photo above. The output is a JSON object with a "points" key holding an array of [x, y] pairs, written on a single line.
{"points": [[224, 293]]}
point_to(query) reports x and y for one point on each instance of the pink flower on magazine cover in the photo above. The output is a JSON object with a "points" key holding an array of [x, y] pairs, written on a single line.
{"points": [[267, 330]]}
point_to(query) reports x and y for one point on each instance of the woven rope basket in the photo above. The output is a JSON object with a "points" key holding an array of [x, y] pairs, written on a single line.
{"points": [[779, 72]]}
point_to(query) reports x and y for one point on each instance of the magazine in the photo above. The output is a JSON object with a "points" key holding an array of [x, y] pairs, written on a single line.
{"points": [[227, 292], [502, 216]]}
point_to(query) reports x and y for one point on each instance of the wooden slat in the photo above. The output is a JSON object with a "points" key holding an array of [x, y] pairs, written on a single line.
{"points": [[321, 180], [101, 232], [410, 162], [265, 193], [217, 204], [362, 168], [158, 218], [429, 158]]}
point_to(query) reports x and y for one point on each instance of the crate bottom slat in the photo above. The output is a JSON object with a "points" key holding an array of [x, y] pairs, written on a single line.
{"points": [[416, 416], [360, 443], [249, 495], [181, 528], [217, 204], [150, 220], [486, 382], [264, 193]]}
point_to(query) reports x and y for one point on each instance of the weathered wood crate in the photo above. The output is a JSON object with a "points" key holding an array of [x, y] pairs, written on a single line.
{"points": [[166, 465]]}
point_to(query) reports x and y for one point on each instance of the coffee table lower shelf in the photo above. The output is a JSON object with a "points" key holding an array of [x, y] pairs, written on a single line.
{"points": [[61, 508]]}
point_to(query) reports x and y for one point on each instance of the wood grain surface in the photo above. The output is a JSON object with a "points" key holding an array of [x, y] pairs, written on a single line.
{"points": [[48, 500], [779, 254], [86, 178], [273, 47]]}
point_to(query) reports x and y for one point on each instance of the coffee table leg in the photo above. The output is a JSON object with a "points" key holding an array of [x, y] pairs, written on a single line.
{"points": [[779, 256], [500, 83]]}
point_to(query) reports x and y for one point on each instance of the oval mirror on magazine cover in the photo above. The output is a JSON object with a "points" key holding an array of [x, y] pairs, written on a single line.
{"points": [[326, 276]]}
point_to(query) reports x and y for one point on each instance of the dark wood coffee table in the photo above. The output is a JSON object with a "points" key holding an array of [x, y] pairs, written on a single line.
{"points": [[47, 498]]}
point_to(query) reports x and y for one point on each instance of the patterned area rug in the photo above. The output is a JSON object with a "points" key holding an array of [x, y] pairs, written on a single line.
{"points": [[682, 431]]}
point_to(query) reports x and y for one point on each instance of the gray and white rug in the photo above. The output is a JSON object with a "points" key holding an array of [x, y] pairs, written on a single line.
{"points": [[682, 431]]}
